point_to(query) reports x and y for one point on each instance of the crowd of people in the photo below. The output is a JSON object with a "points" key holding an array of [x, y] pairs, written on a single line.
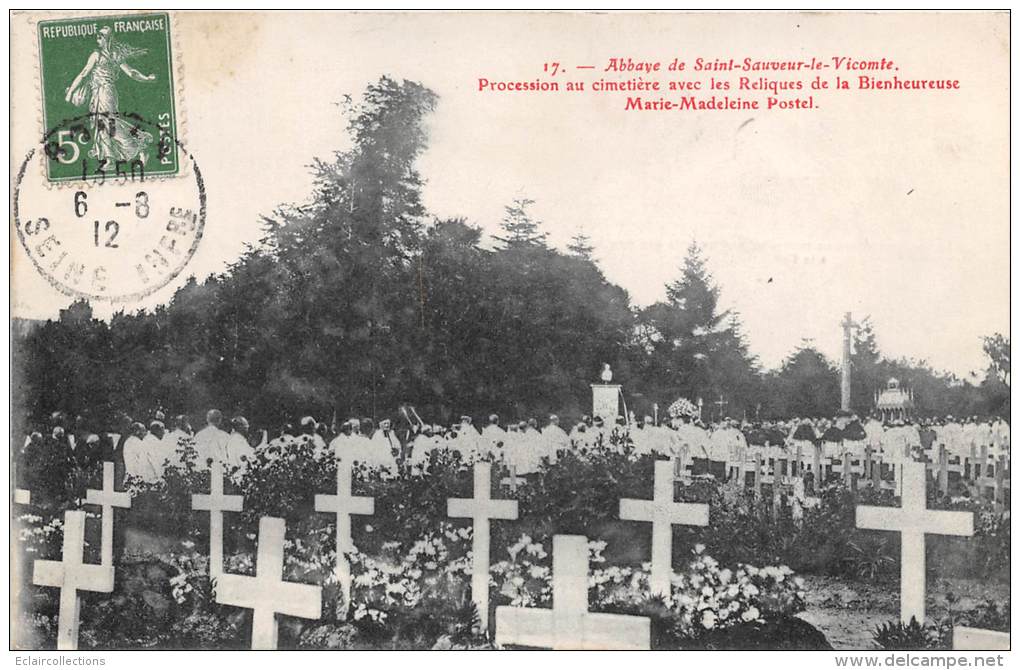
{"points": [[142, 451]]}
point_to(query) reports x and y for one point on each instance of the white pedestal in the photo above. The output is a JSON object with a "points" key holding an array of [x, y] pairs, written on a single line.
{"points": [[605, 402]]}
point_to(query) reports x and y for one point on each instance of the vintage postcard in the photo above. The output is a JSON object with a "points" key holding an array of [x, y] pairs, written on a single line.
{"points": [[518, 330]]}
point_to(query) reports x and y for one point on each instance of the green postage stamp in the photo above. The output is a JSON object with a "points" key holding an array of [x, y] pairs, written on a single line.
{"points": [[108, 97]]}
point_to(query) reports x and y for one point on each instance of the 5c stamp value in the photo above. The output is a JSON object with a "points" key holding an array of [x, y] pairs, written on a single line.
{"points": [[109, 71], [115, 228]]}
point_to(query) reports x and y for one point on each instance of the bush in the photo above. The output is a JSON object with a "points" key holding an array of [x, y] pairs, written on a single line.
{"points": [[914, 636]]}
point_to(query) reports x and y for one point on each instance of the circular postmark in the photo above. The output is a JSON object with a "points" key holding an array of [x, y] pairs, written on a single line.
{"points": [[115, 235]]}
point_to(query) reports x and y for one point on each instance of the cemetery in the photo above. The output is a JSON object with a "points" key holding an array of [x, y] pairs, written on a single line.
{"points": [[467, 557], [784, 524]]}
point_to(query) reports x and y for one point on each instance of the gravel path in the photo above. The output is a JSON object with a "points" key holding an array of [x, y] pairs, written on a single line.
{"points": [[848, 612]]}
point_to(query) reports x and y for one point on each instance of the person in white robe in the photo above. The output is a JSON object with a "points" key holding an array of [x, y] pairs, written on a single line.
{"points": [[873, 430], [895, 449], [493, 439], [643, 437], [138, 462], [468, 441], [555, 438], [527, 450], [179, 430], [950, 434], [692, 440], [240, 453], [1000, 436], [211, 441], [421, 448], [309, 427], [581, 438], [719, 451], [385, 448]]}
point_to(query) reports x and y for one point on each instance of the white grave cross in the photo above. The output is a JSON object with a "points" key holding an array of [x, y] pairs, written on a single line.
{"points": [[569, 624], [481, 509], [217, 503], [72, 575], [344, 505], [266, 593], [108, 498], [913, 519], [663, 512]]}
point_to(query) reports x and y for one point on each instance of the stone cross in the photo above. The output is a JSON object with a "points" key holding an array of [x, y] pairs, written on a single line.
{"points": [[72, 575], [663, 513], [108, 498], [344, 505], [569, 624], [481, 508], [217, 503], [913, 520], [266, 593]]}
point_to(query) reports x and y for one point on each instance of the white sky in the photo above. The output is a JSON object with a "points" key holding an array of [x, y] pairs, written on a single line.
{"points": [[889, 204]]}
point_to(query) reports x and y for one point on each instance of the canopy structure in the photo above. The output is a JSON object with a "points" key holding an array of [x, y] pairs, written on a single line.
{"points": [[894, 402]]}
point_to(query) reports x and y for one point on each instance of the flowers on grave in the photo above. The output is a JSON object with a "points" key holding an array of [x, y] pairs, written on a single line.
{"points": [[40, 535], [703, 597], [404, 574]]}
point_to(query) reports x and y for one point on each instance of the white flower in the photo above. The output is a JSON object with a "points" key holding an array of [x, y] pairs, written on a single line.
{"points": [[698, 548], [707, 591], [708, 619], [751, 614]]}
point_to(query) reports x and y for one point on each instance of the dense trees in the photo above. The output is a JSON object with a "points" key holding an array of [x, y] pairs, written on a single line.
{"points": [[358, 300]]}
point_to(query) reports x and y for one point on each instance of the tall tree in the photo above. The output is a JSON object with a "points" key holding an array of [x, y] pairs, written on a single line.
{"points": [[691, 347], [807, 385], [580, 246], [519, 227], [996, 347]]}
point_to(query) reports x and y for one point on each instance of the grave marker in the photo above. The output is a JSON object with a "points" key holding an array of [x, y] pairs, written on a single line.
{"points": [[217, 503], [481, 508], [344, 505], [663, 512], [913, 520], [266, 593], [108, 498], [569, 624], [72, 575]]}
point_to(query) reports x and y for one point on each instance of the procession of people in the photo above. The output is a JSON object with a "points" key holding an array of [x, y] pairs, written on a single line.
{"points": [[142, 451]]}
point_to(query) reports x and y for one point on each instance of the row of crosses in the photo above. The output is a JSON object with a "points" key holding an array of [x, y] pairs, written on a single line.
{"points": [[568, 625]]}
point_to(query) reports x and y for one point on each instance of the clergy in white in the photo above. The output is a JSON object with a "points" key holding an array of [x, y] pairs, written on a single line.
{"points": [[211, 441]]}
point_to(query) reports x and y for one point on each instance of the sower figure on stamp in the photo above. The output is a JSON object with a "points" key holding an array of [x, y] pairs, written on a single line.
{"points": [[114, 138]]}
